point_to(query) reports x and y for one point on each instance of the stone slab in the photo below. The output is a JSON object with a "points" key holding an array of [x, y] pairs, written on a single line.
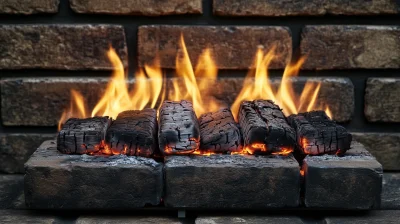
{"points": [[248, 220], [391, 191], [336, 92], [233, 47], [11, 188], [231, 181], [58, 181], [303, 8], [15, 150], [382, 103], [28, 217], [138, 7], [127, 220], [28, 7], [353, 181], [351, 47], [68, 47], [373, 217], [384, 146]]}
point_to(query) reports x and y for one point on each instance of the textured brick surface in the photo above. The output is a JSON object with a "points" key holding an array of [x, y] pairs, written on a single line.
{"points": [[127, 220], [340, 182], [300, 8], [231, 181], [384, 146], [60, 46], [40, 101], [248, 220], [391, 191], [338, 93], [373, 217], [15, 150], [382, 102], [54, 181], [28, 7], [28, 217], [233, 47], [11, 188], [350, 47], [138, 7]]}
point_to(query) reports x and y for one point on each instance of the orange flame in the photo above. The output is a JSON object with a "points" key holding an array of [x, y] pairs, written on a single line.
{"points": [[257, 85]]}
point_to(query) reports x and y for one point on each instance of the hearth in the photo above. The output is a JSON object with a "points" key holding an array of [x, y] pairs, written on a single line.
{"points": [[184, 149]]}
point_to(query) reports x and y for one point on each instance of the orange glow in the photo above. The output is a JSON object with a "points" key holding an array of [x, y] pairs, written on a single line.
{"points": [[257, 85], [192, 89], [262, 147], [203, 153], [283, 152], [302, 173]]}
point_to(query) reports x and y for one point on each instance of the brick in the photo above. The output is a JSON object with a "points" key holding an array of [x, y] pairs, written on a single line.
{"points": [[339, 182], [382, 103], [231, 181], [338, 93], [15, 150], [28, 7], [70, 47], [138, 7], [373, 217], [11, 188], [302, 8], [28, 217], [40, 101], [249, 220], [390, 191], [233, 47], [384, 146], [54, 181], [126, 219], [351, 47]]}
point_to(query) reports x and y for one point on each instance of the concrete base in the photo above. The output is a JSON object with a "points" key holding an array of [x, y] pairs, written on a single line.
{"points": [[58, 181], [350, 182], [232, 181]]}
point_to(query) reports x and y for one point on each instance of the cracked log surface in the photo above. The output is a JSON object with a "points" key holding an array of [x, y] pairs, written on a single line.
{"points": [[178, 128], [353, 181], [263, 122], [219, 132], [57, 181], [134, 132], [318, 134], [81, 136]]}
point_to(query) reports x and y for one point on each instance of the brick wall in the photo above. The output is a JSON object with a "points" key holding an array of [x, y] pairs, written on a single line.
{"points": [[50, 46]]}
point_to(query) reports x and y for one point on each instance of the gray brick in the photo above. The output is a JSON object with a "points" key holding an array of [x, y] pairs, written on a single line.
{"points": [[126, 220], [390, 191], [11, 189], [249, 220], [28, 7], [373, 217]]}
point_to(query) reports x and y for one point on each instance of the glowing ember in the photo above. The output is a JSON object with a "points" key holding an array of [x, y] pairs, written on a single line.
{"points": [[283, 152]]}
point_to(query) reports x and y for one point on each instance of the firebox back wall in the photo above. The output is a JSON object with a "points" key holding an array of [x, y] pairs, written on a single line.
{"points": [[48, 47]]}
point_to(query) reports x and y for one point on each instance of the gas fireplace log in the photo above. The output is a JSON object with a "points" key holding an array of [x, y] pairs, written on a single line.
{"points": [[318, 134], [134, 132], [178, 128], [81, 136], [219, 132], [264, 127]]}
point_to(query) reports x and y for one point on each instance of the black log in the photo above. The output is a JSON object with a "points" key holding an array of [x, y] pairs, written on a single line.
{"points": [[134, 133], [219, 132], [318, 134], [264, 127], [178, 128], [81, 136]]}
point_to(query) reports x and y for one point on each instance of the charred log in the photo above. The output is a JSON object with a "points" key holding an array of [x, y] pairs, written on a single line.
{"points": [[178, 128], [264, 127], [318, 134], [81, 136], [219, 132], [134, 133]]}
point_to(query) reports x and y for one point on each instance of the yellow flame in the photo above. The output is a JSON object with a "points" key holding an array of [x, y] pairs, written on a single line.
{"points": [[257, 85], [76, 109]]}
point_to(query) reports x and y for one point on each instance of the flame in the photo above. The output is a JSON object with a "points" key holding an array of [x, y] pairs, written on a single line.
{"points": [[194, 90], [257, 85], [283, 152], [146, 91]]}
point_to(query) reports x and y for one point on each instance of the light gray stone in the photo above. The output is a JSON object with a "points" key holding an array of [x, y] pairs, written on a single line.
{"points": [[26, 217], [126, 220], [249, 220], [373, 217]]}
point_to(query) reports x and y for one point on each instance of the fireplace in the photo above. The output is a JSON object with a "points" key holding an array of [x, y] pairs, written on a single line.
{"points": [[139, 146]]}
